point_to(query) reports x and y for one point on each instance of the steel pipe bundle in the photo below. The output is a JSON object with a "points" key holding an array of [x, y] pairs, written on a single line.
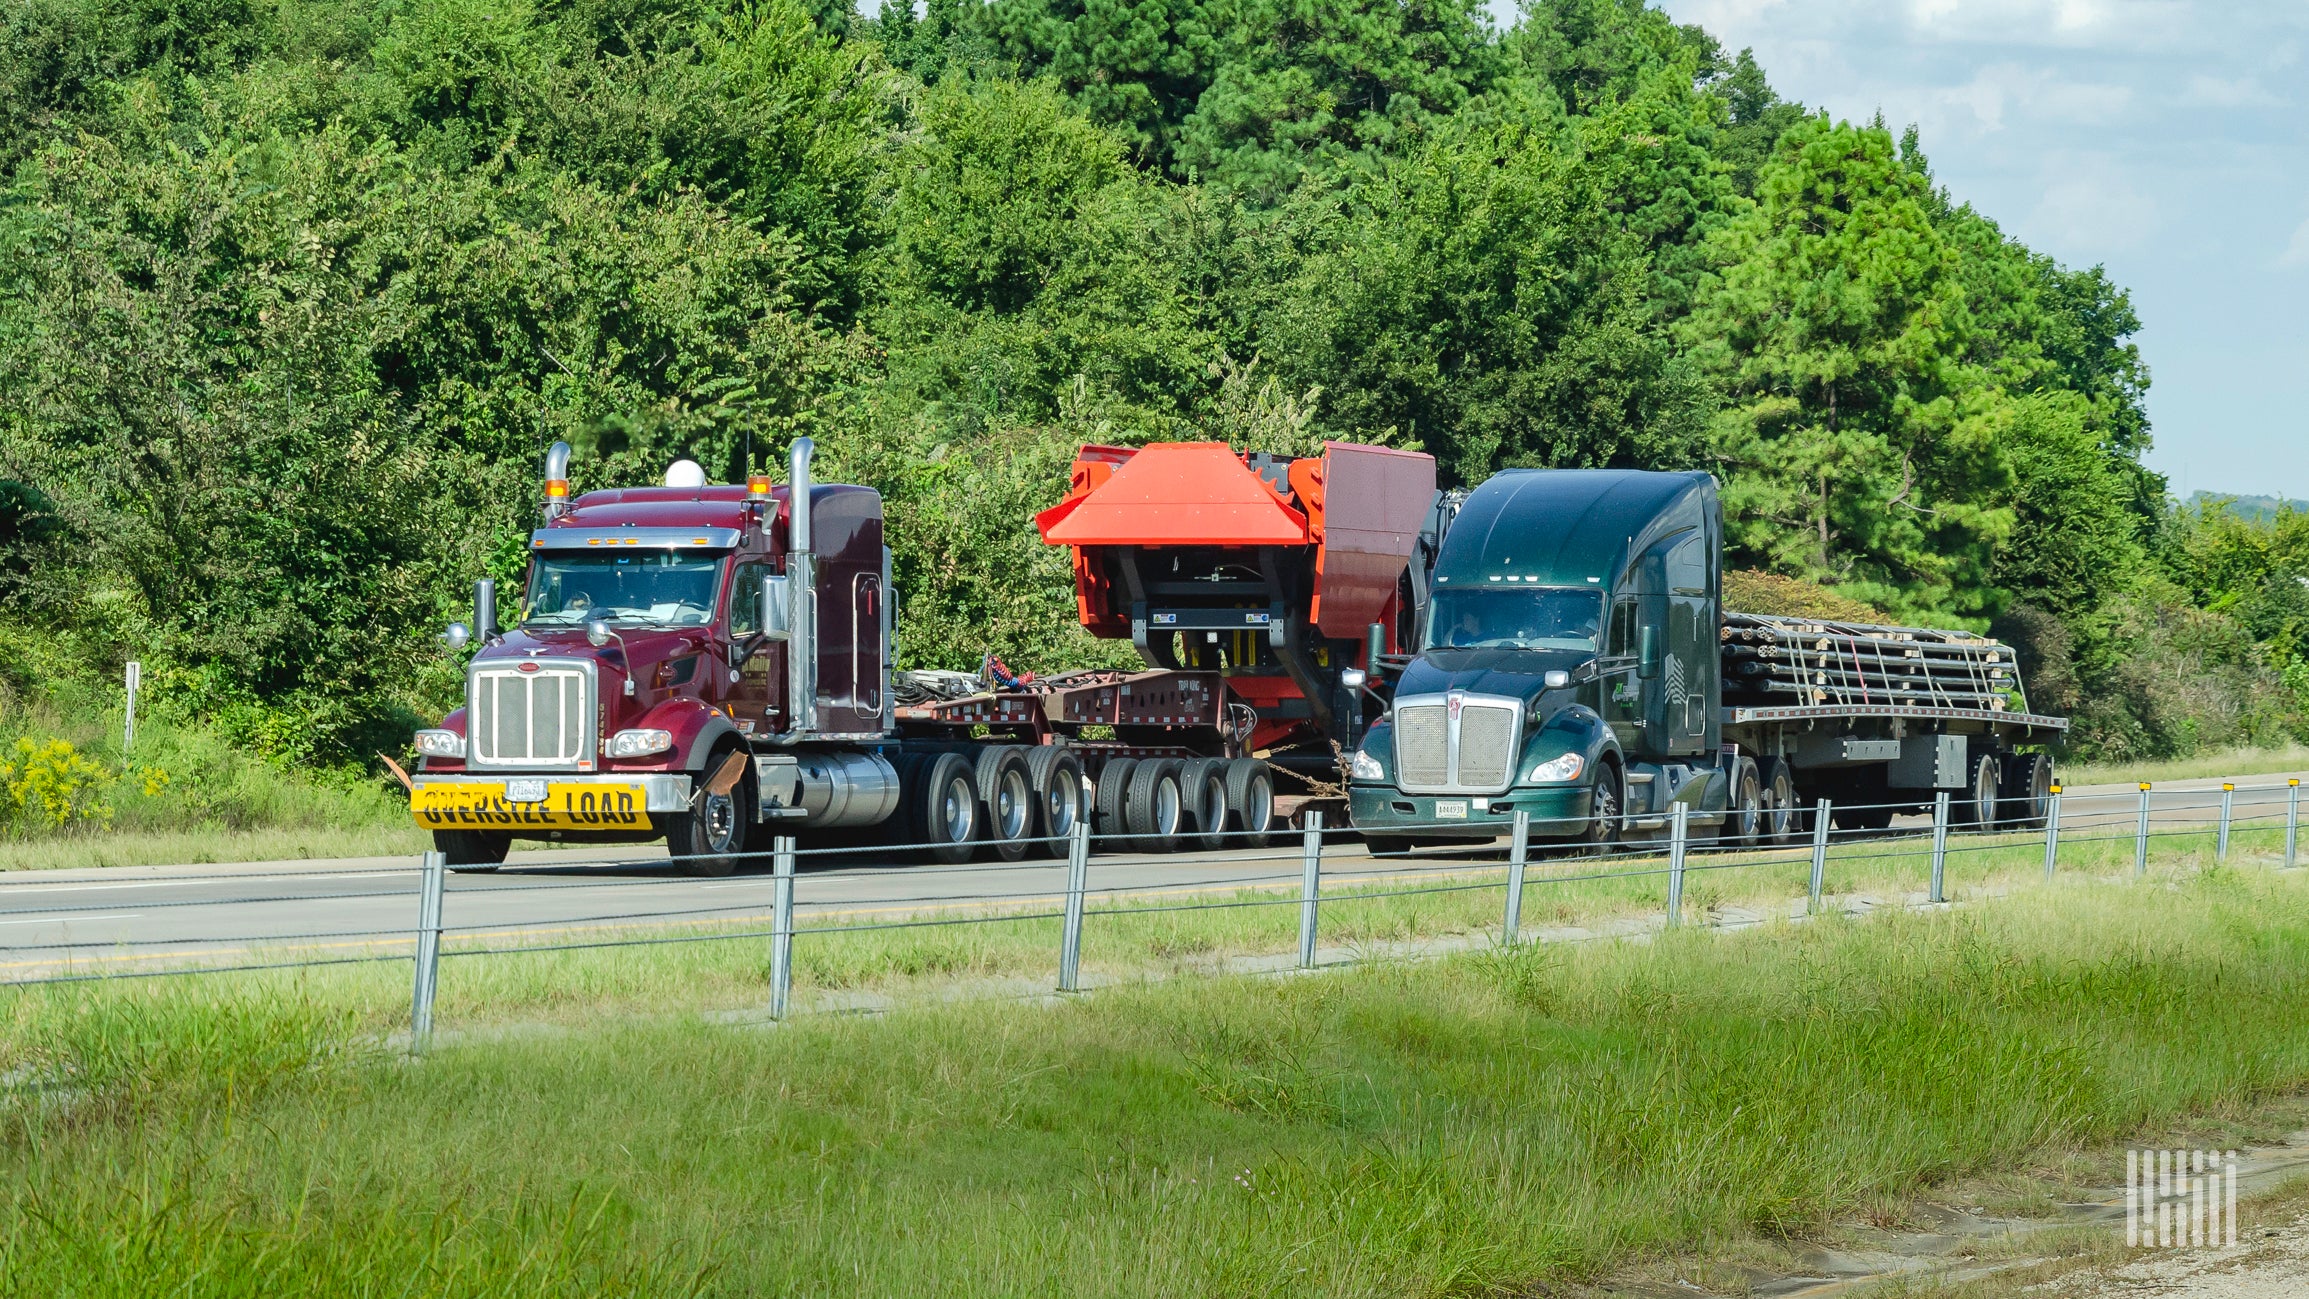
{"points": [[1776, 661]]}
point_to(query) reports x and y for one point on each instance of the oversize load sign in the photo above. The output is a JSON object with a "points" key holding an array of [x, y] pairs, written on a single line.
{"points": [[482, 806]]}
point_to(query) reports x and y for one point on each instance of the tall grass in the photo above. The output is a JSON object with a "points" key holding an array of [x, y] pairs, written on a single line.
{"points": [[1494, 1123]]}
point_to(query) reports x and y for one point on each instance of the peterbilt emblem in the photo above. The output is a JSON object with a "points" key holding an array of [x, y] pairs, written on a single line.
{"points": [[1455, 702], [527, 667]]}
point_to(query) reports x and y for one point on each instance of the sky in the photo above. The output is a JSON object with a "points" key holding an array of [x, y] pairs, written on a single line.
{"points": [[2163, 139]]}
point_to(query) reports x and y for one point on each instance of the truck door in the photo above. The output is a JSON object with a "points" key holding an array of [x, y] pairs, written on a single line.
{"points": [[1623, 689], [1688, 671], [749, 698]]}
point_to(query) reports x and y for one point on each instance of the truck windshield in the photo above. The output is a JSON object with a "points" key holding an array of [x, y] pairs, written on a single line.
{"points": [[1546, 618], [669, 587]]}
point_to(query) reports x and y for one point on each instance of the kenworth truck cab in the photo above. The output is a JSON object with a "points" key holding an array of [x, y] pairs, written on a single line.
{"points": [[1570, 663]]}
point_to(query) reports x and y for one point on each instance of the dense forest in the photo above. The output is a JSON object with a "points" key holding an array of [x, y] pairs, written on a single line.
{"points": [[294, 293]]}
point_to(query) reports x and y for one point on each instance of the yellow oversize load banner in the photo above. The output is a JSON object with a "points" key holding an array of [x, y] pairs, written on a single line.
{"points": [[483, 805]]}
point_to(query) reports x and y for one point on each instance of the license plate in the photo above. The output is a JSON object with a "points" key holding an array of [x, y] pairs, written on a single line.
{"points": [[1451, 809], [529, 803]]}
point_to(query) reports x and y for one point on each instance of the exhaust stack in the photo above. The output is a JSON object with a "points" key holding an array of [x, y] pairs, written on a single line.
{"points": [[556, 481], [802, 592]]}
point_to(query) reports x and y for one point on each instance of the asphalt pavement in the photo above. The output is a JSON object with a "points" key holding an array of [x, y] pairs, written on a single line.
{"points": [[123, 919]]}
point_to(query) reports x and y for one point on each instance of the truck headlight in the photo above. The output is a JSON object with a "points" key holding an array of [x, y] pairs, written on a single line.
{"points": [[1365, 767], [638, 743], [1566, 767], [441, 744]]}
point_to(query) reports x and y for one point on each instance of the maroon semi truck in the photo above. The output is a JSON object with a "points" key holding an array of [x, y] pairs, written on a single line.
{"points": [[712, 665]]}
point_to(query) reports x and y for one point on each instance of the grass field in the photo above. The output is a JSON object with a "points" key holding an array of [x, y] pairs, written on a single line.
{"points": [[2227, 762], [1487, 1123]]}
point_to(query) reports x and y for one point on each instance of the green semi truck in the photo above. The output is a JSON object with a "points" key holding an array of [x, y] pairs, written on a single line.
{"points": [[1572, 659]]}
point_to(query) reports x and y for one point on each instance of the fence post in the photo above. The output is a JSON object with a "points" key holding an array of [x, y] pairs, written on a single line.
{"points": [[1678, 839], [1518, 853], [2292, 821], [1311, 888], [1820, 819], [2228, 809], [1077, 878], [1939, 846], [2051, 834], [132, 679], [429, 886], [2141, 837], [782, 925]]}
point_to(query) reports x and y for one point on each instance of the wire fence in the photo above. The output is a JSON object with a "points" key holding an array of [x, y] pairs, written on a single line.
{"points": [[258, 919]]}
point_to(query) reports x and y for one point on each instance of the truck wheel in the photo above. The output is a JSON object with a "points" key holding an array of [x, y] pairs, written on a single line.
{"points": [[1153, 809], [1007, 790], [2027, 791], [1203, 791], [1251, 801], [1977, 805], [1113, 792], [942, 809], [1603, 819], [1744, 818], [1055, 775], [1781, 821], [472, 852], [709, 838]]}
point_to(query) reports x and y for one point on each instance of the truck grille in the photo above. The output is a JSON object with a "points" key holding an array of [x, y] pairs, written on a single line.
{"points": [[542, 718], [1473, 753]]}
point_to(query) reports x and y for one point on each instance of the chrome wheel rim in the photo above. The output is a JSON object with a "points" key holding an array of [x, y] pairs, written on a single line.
{"points": [[957, 814], [1060, 803], [1166, 808], [1214, 807], [721, 821], [1260, 811], [1012, 805]]}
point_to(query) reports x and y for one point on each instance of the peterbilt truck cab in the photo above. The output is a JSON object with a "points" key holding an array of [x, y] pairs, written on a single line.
{"points": [[1565, 666], [665, 640]]}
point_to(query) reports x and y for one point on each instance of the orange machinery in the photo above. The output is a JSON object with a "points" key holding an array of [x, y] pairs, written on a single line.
{"points": [[1275, 574]]}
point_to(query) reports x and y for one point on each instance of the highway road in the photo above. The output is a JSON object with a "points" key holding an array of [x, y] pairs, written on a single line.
{"points": [[122, 919]]}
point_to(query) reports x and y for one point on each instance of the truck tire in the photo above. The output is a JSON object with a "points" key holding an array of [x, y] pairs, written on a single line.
{"points": [[709, 838], [1607, 801], [1055, 775], [1743, 824], [1251, 802], [1006, 789], [472, 852], [1976, 804], [1782, 822], [1203, 795], [2027, 791], [1153, 808], [942, 809], [1113, 791]]}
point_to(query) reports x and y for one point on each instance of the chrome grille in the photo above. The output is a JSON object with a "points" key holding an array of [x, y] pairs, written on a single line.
{"points": [[530, 719], [1486, 746], [1472, 753], [1421, 757]]}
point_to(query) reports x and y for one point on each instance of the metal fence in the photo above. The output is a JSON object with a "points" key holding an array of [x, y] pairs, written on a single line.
{"points": [[298, 917]]}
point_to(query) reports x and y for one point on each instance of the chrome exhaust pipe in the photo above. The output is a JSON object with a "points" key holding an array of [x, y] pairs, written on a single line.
{"points": [[556, 480], [802, 592]]}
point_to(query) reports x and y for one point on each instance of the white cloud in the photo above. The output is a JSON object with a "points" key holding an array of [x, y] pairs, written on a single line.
{"points": [[2226, 92], [2296, 254], [2035, 94], [2090, 204]]}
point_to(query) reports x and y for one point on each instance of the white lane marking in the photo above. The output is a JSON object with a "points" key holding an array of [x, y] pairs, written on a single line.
{"points": [[66, 920], [7, 891]]}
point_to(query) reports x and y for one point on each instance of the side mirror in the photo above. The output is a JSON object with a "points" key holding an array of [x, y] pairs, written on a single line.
{"points": [[597, 632], [777, 611], [1353, 678], [457, 636], [1648, 652], [1556, 679]]}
